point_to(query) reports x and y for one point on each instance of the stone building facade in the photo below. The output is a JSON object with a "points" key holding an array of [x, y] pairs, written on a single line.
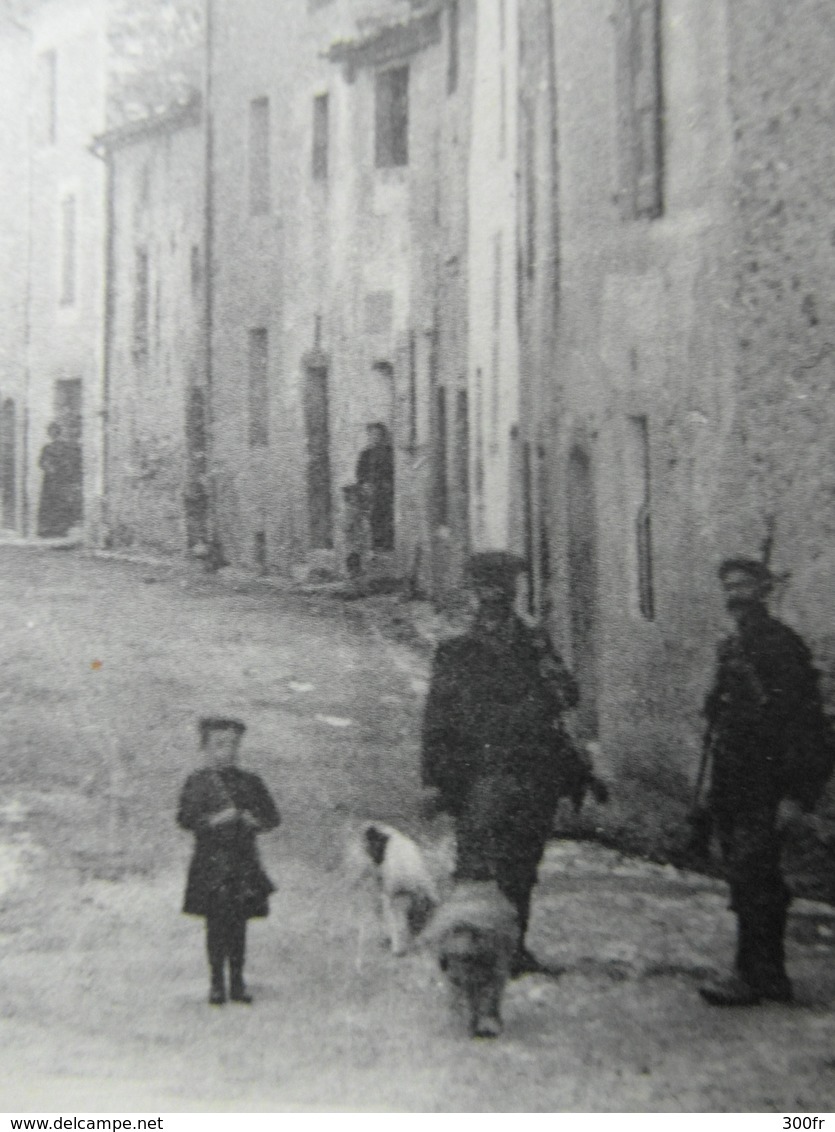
{"points": [[72, 69], [154, 460], [339, 265], [675, 343], [15, 173]]}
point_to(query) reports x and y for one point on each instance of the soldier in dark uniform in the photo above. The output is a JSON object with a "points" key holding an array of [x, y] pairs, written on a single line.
{"points": [[225, 807], [490, 752], [768, 741]]}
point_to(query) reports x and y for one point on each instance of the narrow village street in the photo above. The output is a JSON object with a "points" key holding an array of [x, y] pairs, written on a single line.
{"points": [[106, 666]]}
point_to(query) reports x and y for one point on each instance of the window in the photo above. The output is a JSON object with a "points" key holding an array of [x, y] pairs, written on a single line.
{"points": [[478, 469], [462, 461], [320, 137], [391, 140], [259, 156], [196, 271], [140, 303], [640, 108], [640, 514], [143, 185], [47, 97], [413, 408], [258, 391], [453, 36], [68, 250]]}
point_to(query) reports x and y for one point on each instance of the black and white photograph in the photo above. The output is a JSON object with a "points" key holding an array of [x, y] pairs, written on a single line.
{"points": [[417, 557]]}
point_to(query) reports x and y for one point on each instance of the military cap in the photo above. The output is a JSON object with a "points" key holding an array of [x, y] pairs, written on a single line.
{"points": [[219, 723], [495, 568], [756, 570]]}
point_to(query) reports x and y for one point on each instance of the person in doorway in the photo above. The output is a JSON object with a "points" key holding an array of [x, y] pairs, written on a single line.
{"points": [[225, 807], [770, 750], [60, 506], [375, 480], [490, 744]]}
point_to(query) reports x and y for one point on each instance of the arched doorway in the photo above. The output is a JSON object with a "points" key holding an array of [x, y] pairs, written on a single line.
{"points": [[583, 587]]}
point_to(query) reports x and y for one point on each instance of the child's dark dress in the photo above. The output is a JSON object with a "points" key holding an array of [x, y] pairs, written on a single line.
{"points": [[225, 876]]}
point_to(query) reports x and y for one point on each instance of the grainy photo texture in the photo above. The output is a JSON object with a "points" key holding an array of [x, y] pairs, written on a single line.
{"points": [[417, 492]]}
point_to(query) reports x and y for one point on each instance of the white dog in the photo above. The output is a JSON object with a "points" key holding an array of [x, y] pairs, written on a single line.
{"points": [[408, 893]]}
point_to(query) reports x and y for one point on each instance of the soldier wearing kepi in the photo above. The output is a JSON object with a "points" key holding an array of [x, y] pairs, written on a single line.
{"points": [[225, 807], [770, 749], [490, 754]]}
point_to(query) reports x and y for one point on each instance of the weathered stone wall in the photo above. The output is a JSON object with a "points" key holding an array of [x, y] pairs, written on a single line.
{"points": [[781, 459], [158, 194], [358, 259], [628, 318], [66, 338]]}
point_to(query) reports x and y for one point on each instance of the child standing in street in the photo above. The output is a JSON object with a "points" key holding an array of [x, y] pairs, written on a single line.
{"points": [[225, 808]]}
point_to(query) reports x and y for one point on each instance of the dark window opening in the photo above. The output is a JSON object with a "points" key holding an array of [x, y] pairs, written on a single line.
{"points": [[258, 389], [462, 462], [140, 303], [391, 138], [413, 424], [68, 251], [642, 530], [47, 77], [320, 137], [441, 493], [196, 270], [259, 156], [453, 36], [641, 108]]}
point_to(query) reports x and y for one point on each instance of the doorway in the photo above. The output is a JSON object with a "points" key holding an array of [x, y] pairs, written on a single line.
{"points": [[317, 426], [67, 413], [583, 588]]}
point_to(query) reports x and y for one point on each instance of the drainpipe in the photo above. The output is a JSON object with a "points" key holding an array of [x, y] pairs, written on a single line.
{"points": [[215, 558], [104, 152]]}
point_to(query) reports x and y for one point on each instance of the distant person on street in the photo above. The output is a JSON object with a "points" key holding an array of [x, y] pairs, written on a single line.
{"points": [[375, 480], [491, 740], [60, 506], [770, 751], [225, 807]]}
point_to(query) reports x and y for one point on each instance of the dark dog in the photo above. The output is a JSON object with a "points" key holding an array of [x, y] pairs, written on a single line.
{"points": [[475, 934]]}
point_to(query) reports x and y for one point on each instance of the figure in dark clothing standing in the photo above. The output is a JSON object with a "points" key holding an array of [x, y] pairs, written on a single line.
{"points": [[769, 745], [60, 506], [375, 480], [491, 740], [225, 807]]}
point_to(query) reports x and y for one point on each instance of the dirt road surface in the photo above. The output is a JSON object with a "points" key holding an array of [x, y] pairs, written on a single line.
{"points": [[105, 667]]}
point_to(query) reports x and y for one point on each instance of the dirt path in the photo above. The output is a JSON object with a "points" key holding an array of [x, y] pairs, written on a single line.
{"points": [[103, 1007]]}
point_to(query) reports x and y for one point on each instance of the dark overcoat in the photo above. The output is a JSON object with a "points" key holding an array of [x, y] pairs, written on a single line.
{"points": [[768, 732], [225, 871], [490, 747]]}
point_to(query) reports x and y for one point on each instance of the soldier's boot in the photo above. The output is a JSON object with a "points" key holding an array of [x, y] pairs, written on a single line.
{"points": [[766, 959], [731, 991], [760, 961]]}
